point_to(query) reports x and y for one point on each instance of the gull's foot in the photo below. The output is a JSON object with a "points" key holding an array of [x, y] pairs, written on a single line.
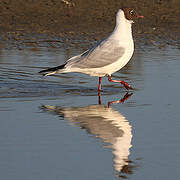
{"points": [[126, 85]]}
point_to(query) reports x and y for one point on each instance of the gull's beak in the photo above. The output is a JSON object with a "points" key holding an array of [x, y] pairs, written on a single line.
{"points": [[140, 16]]}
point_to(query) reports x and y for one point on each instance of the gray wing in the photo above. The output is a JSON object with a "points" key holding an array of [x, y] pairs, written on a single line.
{"points": [[103, 54]]}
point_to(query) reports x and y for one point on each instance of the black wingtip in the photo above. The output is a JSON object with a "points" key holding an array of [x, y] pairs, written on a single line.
{"points": [[41, 72], [51, 69]]}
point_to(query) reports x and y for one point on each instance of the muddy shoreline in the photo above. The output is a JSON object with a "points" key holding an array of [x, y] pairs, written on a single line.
{"points": [[75, 21]]}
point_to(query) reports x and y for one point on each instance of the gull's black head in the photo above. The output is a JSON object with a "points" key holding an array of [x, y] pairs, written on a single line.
{"points": [[131, 14]]}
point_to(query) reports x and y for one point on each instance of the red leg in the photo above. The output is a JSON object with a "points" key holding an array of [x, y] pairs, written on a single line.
{"points": [[126, 85], [99, 87]]}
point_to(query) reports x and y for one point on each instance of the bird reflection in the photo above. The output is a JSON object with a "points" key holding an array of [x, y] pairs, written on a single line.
{"points": [[105, 123]]}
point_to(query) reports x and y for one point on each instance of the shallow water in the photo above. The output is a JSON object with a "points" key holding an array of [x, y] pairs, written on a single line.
{"points": [[55, 128]]}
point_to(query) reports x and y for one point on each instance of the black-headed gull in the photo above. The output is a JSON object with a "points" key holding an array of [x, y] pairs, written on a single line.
{"points": [[107, 56]]}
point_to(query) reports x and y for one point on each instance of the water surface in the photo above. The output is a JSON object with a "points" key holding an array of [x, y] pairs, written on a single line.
{"points": [[58, 128]]}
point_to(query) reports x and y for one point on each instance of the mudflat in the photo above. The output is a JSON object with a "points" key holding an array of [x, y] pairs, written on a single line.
{"points": [[75, 19]]}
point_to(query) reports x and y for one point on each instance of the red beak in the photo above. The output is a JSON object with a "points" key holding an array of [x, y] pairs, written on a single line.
{"points": [[140, 16]]}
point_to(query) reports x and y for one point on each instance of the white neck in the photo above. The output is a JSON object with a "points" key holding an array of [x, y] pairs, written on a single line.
{"points": [[122, 30]]}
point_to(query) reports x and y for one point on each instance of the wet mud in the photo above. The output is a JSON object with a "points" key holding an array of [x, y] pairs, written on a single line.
{"points": [[24, 23]]}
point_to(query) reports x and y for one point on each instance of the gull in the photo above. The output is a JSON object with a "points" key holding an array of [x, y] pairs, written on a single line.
{"points": [[108, 55]]}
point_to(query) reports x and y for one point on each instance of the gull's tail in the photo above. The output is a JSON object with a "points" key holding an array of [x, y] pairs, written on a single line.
{"points": [[51, 71]]}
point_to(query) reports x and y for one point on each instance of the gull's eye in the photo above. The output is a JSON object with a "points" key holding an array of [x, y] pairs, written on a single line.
{"points": [[131, 12]]}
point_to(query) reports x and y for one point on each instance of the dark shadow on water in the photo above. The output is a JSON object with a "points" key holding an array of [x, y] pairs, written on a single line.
{"points": [[106, 124]]}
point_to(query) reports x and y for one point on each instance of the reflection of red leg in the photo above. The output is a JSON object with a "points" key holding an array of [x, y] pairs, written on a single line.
{"points": [[99, 87], [99, 98], [127, 96], [126, 85]]}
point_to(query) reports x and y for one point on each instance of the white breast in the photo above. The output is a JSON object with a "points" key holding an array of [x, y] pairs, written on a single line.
{"points": [[110, 69]]}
